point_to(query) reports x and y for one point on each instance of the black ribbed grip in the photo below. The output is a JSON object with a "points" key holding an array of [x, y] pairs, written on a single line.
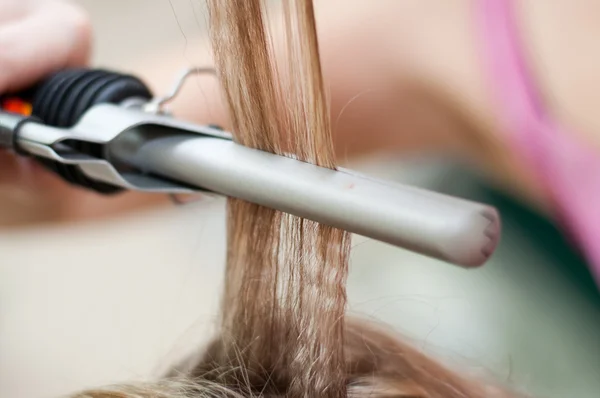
{"points": [[63, 98]]}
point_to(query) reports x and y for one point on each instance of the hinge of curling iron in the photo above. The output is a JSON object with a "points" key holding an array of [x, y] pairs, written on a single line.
{"points": [[110, 143], [87, 153]]}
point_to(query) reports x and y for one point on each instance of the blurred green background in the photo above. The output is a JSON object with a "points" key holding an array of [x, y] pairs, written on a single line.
{"points": [[530, 316]]}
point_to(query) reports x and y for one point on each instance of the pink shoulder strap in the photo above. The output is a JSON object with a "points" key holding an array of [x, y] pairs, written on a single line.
{"points": [[568, 168]]}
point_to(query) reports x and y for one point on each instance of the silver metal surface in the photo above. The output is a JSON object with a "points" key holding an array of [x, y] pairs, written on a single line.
{"points": [[101, 125], [447, 228], [8, 124], [155, 153]]}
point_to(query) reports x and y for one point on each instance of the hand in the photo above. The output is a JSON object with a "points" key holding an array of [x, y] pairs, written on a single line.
{"points": [[38, 37]]}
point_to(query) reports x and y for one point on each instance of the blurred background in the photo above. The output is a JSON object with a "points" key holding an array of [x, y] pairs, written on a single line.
{"points": [[90, 304]]}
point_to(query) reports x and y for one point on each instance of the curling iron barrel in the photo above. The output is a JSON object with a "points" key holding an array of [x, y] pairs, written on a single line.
{"points": [[113, 145]]}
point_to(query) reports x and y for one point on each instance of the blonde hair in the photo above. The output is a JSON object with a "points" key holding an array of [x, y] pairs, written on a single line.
{"points": [[284, 332]]}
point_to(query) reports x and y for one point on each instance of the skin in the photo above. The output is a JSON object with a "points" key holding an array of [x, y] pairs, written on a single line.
{"points": [[404, 76]]}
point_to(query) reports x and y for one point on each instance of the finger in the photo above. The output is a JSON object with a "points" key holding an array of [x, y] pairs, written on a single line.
{"points": [[56, 36]]}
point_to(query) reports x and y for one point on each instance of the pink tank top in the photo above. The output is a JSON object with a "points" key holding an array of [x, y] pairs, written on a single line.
{"points": [[567, 166]]}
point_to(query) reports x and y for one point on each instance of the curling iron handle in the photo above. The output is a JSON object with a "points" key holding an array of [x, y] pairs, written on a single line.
{"points": [[63, 97]]}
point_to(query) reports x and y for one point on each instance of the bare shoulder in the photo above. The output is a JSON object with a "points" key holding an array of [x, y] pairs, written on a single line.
{"points": [[442, 45], [428, 53], [561, 40]]}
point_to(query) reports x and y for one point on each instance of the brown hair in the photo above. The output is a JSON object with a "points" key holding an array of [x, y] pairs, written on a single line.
{"points": [[283, 327]]}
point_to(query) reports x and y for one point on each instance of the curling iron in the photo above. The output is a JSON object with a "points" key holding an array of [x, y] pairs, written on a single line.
{"points": [[106, 132]]}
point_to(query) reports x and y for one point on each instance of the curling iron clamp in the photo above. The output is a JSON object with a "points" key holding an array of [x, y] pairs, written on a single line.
{"points": [[106, 132]]}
